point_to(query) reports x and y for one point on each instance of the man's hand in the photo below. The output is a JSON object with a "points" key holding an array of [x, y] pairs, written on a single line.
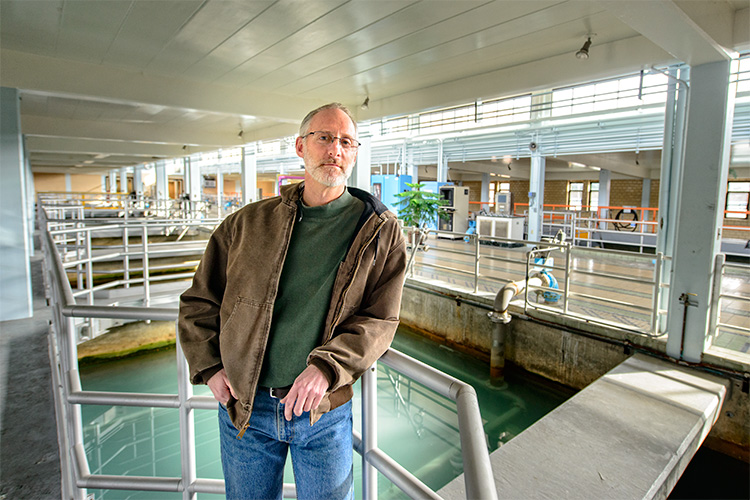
{"points": [[306, 393], [219, 385]]}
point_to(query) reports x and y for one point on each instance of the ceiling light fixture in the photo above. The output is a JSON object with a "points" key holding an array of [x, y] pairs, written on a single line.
{"points": [[366, 103], [584, 52]]}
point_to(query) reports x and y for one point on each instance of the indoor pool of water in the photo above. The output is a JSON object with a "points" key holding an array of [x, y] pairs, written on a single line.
{"points": [[417, 427]]}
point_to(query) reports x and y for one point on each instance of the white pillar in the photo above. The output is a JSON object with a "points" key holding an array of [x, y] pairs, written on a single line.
{"points": [[442, 165], [605, 184], [360, 177], [162, 190], [700, 209], [15, 272], [124, 180], [68, 184], [249, 177], [484, 194], [113, 181], [138, 181], [669, 184], [536, 196]]}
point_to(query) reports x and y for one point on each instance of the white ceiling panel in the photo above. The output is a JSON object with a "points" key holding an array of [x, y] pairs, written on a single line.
{"points": [[273, 25], [324, 31], [212, 24], [147, 29], [196, 72], [88, 28]]}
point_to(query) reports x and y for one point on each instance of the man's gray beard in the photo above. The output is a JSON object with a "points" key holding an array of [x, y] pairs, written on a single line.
{"points": [[329, 180]]}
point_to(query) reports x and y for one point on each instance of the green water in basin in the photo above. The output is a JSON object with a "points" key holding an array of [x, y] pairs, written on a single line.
{"points": [[416, 426]]}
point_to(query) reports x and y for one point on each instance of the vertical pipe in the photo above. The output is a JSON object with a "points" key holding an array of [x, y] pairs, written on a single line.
{"points": [[656, 299], [497, 353], [146, 278], [369, 431], [187, 426], [715, 307]]}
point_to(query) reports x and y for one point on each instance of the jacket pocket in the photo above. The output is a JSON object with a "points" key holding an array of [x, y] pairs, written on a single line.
{"points": [[242, 342]]}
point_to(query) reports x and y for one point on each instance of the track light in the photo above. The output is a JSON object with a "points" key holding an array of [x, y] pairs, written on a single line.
{"points": [[242, 132], [366, 103], [584, 52]]}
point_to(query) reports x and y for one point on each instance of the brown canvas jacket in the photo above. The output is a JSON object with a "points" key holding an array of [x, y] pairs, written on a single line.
{"points": [[225, 316]]}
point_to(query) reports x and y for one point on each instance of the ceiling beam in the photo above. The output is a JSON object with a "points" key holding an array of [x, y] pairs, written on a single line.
{"points": [[613, 59], [673, 29], [61, 76]]}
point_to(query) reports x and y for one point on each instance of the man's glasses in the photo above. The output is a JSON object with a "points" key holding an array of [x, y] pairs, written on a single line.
{"points": [[326, 139]]}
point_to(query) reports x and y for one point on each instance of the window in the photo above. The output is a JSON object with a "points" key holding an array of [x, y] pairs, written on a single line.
{"points": [[575, 195], [593, 196], [738, 194]]}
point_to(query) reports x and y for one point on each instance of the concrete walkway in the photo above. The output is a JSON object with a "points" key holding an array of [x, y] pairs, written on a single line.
{"points": [[29, 453], [630, 434]]}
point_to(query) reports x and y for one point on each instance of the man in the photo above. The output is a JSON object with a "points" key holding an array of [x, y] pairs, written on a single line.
{"points": [[294, 298]]}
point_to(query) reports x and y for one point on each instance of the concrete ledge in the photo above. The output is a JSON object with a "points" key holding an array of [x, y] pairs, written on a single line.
{"points": [[630, 434]]}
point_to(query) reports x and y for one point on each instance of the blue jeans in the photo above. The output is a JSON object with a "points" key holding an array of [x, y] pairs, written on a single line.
{"points": [[321, 454]]}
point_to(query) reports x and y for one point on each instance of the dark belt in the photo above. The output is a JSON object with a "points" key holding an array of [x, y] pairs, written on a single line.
{"points": [[276, 392]]}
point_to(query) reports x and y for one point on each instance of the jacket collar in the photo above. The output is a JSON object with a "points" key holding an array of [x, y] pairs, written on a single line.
{"points": [[291, 193]]}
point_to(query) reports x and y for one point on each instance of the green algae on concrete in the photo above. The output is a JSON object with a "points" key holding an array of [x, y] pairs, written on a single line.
{"points": [[126, 340]]}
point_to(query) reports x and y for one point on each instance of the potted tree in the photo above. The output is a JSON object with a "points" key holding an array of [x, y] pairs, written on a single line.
{"points": [[418, 208]]}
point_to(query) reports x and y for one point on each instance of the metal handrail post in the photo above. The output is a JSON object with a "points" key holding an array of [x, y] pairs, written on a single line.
{"points": [[125, 255], [476, 262], [144, 265], [568, 258], [187, 425], [369, 431], [89, 269]]}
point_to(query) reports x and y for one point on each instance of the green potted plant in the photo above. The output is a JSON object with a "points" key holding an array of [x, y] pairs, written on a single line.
{"points": [[418, 208]]}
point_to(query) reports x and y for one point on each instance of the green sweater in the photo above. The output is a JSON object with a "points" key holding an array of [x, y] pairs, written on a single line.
{"points": [[319, 241]]}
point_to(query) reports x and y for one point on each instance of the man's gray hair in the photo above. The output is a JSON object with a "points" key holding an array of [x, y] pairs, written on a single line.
{"points": [[304, 127]]}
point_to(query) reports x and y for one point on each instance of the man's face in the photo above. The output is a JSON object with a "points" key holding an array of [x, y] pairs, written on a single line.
{"points": [[330, 164]]}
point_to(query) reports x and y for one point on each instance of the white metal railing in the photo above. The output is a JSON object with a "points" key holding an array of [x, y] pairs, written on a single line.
{"points": [[471, 257], [69, 396], [722, 294]]}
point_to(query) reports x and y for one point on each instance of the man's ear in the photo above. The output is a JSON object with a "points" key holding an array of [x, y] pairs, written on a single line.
{"points": [[298, 147]]}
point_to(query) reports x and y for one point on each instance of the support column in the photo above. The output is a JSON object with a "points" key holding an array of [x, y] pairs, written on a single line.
{"points": [[605, 185], [112, 181], [442, 164], [360, 177], [249, 178], [536, 196], [15, 273], [484, 194], [219, 188], [68, 184], [124, 180], [669, 184], [700, 209], [162, 190], [196, 180], [138, 181]]}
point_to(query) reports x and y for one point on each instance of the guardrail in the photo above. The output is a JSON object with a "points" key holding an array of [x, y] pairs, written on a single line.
{"points": [[720, 296], [476, 255], [68, 395]]}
